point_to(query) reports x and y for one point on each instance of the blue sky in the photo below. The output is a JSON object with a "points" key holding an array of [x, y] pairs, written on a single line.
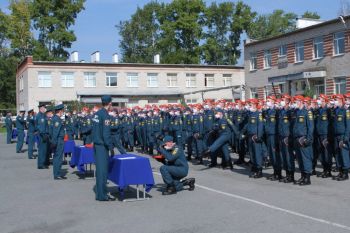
{"points": [[95, 26]]}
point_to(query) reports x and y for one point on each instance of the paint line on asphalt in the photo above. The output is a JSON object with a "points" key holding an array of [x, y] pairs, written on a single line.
{"points": [[271, 206]]}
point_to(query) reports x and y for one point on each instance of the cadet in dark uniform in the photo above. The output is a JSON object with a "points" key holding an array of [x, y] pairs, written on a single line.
{"points": [[57, 142], [101, 135], [43, 132], [271, 123], [323, 134], [176, 167], [116, 132], [86, 127], [254, 131], [20, 125], [9, 124], [31, 133], [303, 130], [341, 127]]}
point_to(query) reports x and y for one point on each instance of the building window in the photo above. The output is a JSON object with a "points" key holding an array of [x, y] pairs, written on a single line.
{"points": [[299, 51], [209, 80], [254, 93], [282, 88], [191, 101], [282, 51], [339, 43], [89, 79], [318, 47], [133, 79], [253, 61], [340, 85], [300, 86], [267, 59], [172, 79], [67, 79], [227, 80], [268, 91], [21, 84], [319, 87], [111, 79], [44, 78], [191, 80], [152, 80]]}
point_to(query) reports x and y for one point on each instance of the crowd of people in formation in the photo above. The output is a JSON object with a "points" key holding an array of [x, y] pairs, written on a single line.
{"points": [[280, 132]]}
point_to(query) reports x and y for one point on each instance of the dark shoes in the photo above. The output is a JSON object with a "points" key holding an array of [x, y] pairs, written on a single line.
{"points": [[306, 180], [43, 167], [169, 191], [198, 161], [190, 182], [60, 178], [206, 153]]}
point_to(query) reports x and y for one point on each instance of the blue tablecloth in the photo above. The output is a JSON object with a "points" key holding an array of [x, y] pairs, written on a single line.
{"points": [[130, 169], [81, 156], [69, 146], [14, 133]]}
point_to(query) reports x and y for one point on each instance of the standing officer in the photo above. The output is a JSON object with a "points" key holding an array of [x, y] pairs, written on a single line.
{"points": [[101, 136], [324, 140], [20, 125], [341, 127], [254, 131], [43, 130], [176, 167], [57, 142], [303, 131], [271, 116], [188, 132], [116, 132], [8, 122], [31, 133], [285, 138], [69, 126], [198, 133], [86, 127]]}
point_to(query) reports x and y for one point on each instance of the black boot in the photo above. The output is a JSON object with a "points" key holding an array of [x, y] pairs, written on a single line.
{"points": [[169, 191], [290, 178], [227, 165], [306, 180], [340, 174], [190, 182], [345, 175], [258, 174], [285, 178], [198, 161], [189, 157], [253, 172], [272, 177], [301, 178], [206, 153]]}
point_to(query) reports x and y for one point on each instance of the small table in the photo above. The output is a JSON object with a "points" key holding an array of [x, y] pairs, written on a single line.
{"points": [[69, 147], [130, 169], [82, 156]]}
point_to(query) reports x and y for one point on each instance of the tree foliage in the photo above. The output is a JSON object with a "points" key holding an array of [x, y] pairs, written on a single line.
{"points": [[311, 15]]}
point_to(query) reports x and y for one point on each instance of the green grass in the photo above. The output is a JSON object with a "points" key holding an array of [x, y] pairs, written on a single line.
{"points": [[2, 130]]}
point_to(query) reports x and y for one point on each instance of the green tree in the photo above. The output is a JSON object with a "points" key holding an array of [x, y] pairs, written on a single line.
{"points": [[311, 15], [225, 24], [140, 34], [4, 21], [8, 65], [19, 31], [53, 19], [269, 25], [181, 31]]}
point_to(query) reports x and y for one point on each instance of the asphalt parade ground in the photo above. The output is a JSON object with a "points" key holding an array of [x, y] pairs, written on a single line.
{"points": [[223, 201]]}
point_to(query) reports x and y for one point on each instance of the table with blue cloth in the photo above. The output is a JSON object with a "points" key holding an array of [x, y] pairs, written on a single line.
{"points": [[130, 169], [14, 133], [69, 147], [82, 156]]}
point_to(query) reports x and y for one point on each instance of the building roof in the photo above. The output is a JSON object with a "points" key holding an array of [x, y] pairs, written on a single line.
{"points": [[297, 31]]}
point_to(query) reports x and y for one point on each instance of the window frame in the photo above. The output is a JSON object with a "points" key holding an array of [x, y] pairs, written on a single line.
{"points": [[149, 77], [336, 43], [338, 83], [297, 47], [225, 78], [41, 81], [280, 49], [209, 78], [170, 77], [87, 79], [131, 76], [108, 77], [267, 59], [191, 78], [64, 81], [253, 61], [316, 47]]}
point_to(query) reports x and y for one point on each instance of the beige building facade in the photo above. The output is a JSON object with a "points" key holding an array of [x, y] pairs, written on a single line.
{"points": [[129, 84]]}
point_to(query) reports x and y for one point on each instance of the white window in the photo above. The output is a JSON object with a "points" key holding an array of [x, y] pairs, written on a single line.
{"points": [[340, 85], [21, 83], [89, 79], [152, 80], [253, 61], [267, 59], [209, 80], [227, 78], [268, 91], [44, 78], [111, 79], [67, 79], [299, 51], [339, 43], [282, 51], [172, 79], [190, 80], [318, 47], [133, 79], [253, 92]]}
